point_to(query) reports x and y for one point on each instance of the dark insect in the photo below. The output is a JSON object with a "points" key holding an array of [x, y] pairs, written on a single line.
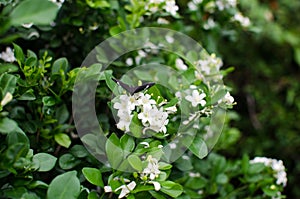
{"points": [[133, 89]]}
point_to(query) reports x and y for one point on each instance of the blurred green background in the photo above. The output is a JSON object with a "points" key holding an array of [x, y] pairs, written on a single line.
{"points": [[266, 57]]}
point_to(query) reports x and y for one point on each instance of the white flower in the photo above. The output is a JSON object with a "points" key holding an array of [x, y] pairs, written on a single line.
{"points": [[244, 21], [225, 4], [171, 7], [152, 170], [125, 189], [196, 98], [192, 6], [124, 122], [169, 39], [227, 99], [146, 144], [158, 120], [210, 23], [145, 100], [7, 98], [27, 25], [107, 189], [8, 55], [156, 185], [171, 109], [276, 165], [145, 114], [180, 64], [129, 61], [161, 20]]}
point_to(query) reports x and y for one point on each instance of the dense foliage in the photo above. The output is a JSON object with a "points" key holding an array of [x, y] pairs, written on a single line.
{"points": [[43, 45]]}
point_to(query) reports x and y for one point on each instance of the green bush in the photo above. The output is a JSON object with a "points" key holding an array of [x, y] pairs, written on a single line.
{"points": [[40, 146]]}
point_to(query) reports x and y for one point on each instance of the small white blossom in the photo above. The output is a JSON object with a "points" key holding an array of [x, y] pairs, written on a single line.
{"points": [[152, 170], [244, 21], [125, 189], [196, 98], [158, 120], [124, 122], [171, 7], [227, 99], [27, 25], [210, 23], [129, 61], [157, 186], [180, 65], [7, 98], [8, 55], [161, 20], [225, 4], [171, 109], [192, 6], [169, 39], [146, 144], [107, 189], [145, 100], [276, 165]]}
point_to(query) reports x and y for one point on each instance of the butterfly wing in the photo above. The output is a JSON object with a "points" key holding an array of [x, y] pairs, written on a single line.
{"points": [[128, 88], [133, 89], [142, 87]]}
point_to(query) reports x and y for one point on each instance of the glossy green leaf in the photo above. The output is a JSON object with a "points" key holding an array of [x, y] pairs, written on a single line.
{"points": [[171, 188], [135, 162], [68, 161], [46, 161], [63, 139], [7, 125], [114, 151], [93, 175], [8, 83], [64, 186], [199, 148], [38, 12]]}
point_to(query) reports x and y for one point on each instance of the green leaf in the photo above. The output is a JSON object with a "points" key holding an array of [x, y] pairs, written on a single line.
{"points": [[48, 101], [93, 175], [136, 127], [58, 65], [28, 95], [199, 148], [19, 54], [222, 178], [38, 12], [97, 3], [45, 160], [64, 186], [8, 83], [62, 114], [7, 125], [135, 162], [171, 188], [7, 67], [68, 161], [113, 151], [79, 151], [63, 139], [127, 143]]}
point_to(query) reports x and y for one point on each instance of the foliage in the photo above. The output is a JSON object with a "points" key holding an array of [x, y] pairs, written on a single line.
{"points": [[40, 148]]}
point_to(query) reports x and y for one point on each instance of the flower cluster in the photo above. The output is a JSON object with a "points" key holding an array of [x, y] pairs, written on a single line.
{"points": [[8, 55], [152, 115], [151, 172], [168, 5], [125, 189], [244, 21], [276, 165], [225, 4]]}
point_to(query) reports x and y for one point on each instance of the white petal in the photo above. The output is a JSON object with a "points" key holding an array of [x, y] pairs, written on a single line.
{"points": [[156, 185], [107, 189]]}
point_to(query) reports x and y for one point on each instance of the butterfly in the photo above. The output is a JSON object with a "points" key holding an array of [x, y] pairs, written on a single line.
{"points": [[133, 89]]}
